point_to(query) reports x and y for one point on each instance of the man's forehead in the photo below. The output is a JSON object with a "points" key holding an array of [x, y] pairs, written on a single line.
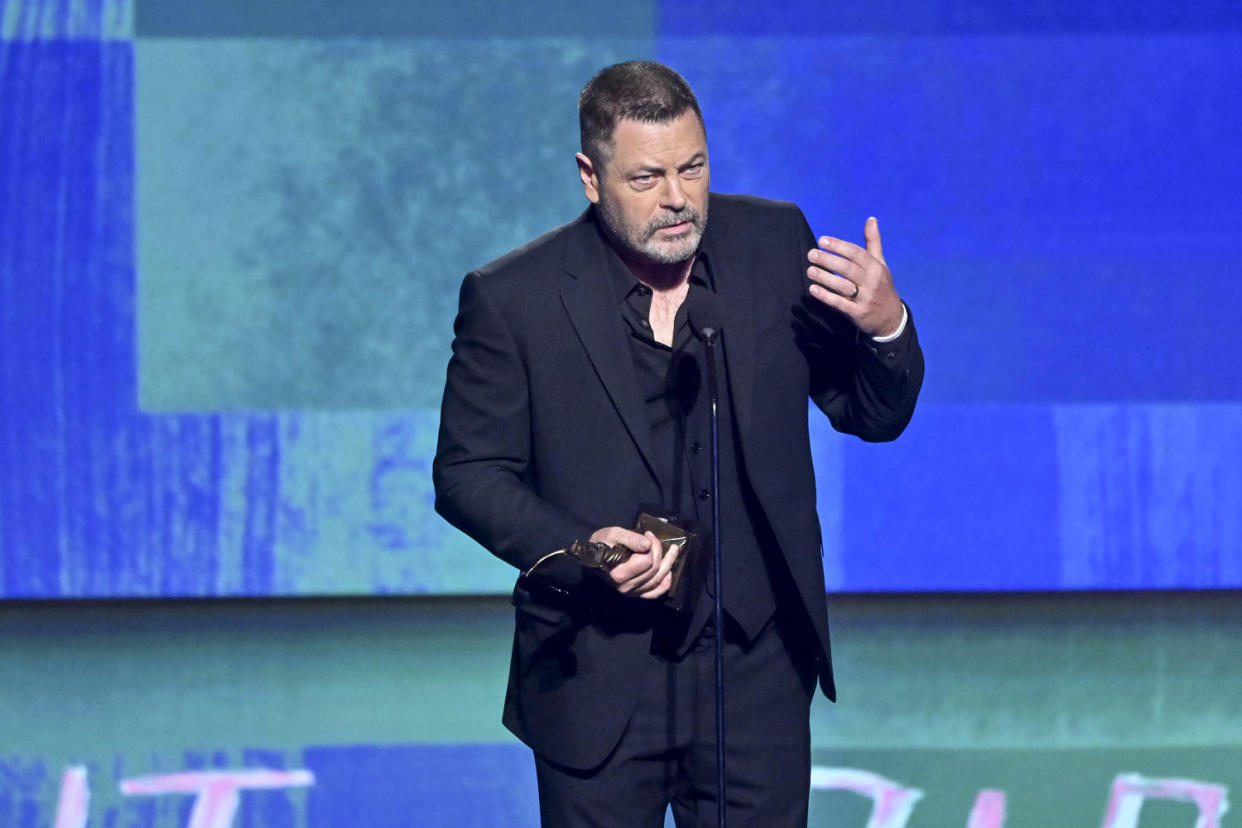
{"points": [[634, 140]]}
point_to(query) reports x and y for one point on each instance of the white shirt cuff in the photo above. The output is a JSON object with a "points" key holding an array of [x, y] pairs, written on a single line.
{"points": [[905, 317]]}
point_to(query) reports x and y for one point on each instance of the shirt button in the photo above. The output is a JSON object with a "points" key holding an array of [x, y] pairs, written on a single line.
{"points": [[704, 494], [645, 324], [696, 447]]}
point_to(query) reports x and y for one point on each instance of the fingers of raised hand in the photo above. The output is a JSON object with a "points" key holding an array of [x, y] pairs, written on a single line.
{"points": [[838, 273], [856, 281], [845, 249], [847, 270], [834, 274], [871, 231]]}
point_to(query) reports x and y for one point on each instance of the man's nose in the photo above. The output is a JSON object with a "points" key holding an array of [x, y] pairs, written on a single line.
{"points": [[673, 196]]}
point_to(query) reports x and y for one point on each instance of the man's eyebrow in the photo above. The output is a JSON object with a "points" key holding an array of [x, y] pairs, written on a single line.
{"points": [[647, 169]]}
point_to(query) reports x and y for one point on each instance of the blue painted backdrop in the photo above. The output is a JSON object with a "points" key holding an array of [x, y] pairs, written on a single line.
{"points": [[230, 240]]}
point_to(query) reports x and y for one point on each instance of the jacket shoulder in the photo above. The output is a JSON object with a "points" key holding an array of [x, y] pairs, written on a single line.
{"points": [[735, 205], [747, 214], [542, 254]]}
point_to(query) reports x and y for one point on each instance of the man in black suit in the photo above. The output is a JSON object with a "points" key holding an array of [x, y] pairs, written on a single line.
{"points": [[575, 397]]}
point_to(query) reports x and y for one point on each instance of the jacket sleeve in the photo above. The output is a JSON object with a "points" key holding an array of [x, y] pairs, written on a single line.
{"points": [[866, 388], [481, 470]]}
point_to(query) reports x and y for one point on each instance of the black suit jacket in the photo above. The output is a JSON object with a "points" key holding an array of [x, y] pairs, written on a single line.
{"points": [[543, 439]]}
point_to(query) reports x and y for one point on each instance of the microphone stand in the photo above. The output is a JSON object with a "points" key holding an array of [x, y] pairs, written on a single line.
{"points": [[709, 340]]}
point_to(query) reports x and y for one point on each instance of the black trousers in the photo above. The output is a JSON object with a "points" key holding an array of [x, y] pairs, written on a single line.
{"points": [[667, 754]]}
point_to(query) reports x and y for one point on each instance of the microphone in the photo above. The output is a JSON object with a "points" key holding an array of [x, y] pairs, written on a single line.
{"points": [[705, 315]]}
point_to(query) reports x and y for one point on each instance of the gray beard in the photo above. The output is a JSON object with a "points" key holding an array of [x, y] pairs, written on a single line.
{"points": [[638, 243]]}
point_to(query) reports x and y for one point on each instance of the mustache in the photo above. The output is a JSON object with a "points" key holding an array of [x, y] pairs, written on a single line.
{"points": [[687, 215]]}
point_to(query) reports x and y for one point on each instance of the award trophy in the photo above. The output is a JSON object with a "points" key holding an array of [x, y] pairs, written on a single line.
{"points": [[686, 570]]}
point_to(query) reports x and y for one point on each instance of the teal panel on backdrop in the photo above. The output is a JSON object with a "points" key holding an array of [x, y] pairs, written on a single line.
{"points": [[314, 181], [329, 19], [307, 208]]}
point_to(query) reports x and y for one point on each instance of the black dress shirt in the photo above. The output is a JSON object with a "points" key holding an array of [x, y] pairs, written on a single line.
{"points": [[673, 382]]}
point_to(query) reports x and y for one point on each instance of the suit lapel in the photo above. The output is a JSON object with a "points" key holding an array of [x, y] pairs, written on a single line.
{"points": [[587, 296], [738, 330]]}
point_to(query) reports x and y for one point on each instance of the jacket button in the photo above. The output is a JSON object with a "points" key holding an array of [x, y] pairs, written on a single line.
{"points": [[704, 494], [696, 447]]}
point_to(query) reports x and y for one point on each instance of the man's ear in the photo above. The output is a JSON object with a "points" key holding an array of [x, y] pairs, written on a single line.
{"points": [[590, 180]]}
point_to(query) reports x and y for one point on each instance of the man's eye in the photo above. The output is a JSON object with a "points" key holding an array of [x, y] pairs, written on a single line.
{"points": [[693, 171], [644, 180]]}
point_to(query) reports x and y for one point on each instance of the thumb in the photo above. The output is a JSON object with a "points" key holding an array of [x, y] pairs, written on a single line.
{"points": [[871, 231]]}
